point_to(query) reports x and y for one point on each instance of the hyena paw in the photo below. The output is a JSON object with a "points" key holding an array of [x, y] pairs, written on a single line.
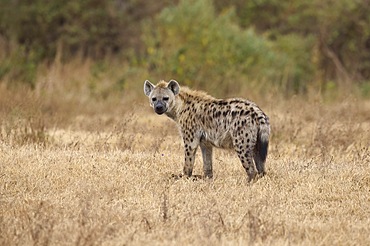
{"points": [[254, 178], [181, 176], [208, 175], [176, 176]]}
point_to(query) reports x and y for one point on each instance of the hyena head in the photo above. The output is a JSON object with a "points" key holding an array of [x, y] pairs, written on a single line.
{"points": [[162, 95]]}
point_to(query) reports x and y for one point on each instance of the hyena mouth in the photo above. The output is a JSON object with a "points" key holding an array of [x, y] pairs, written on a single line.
{"points": [[160, 109]]}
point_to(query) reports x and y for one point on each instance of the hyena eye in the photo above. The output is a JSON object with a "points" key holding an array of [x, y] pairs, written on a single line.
{"points": [[154, 99], [166, 99]]}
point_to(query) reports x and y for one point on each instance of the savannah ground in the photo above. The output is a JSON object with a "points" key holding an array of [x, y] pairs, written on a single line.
{"points": [[77, 171]]}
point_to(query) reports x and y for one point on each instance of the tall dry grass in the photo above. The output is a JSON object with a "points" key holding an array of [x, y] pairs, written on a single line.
{"points": [[77, 169]]}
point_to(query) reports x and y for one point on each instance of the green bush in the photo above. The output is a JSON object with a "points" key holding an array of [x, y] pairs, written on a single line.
{"points": [[193, 44], [21, 66]]}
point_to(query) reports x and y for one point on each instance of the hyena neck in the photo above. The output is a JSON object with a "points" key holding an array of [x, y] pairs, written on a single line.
{"points": [[188, 99], [171, 115], [174, 112]]}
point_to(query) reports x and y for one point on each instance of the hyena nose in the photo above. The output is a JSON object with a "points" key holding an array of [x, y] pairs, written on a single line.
{"points": [[159, 109]]}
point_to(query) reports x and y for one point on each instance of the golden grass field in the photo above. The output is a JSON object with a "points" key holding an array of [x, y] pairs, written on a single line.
{"points": [[98, 173]]}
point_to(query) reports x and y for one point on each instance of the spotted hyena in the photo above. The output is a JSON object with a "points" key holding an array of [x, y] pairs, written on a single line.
{"points": [[208, 122]]}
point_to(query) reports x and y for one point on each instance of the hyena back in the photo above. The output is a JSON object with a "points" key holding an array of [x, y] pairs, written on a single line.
{"points": [[208, 122]]}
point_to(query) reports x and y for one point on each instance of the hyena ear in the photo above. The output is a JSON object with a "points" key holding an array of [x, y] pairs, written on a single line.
{"points": [[148, 87], [174, 86]]}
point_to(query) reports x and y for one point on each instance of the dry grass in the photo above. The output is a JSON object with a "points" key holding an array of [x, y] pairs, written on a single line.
{"points": [[100, 176]]}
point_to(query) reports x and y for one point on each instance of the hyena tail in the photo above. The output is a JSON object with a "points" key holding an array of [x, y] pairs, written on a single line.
{"points": [[262, 146]]}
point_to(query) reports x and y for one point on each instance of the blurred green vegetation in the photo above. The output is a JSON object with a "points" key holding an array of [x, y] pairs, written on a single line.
{"points": [[223, 46]]}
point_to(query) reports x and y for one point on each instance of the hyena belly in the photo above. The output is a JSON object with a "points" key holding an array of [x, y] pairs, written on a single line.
{"points": [[218, 139]]}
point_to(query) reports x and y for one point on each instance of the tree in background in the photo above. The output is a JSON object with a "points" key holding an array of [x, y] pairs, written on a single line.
{"points": [[33, 31], [289, 44], [340, 29]]}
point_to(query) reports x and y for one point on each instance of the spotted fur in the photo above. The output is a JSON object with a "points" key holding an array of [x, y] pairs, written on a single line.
{"points": [[208, 122]]}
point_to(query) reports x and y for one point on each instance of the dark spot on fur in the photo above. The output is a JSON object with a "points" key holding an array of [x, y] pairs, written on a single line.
{"points": [[235, 101], [222, 103]]}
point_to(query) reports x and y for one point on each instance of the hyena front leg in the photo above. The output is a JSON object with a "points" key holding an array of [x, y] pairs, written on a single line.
{"points": [[191, 146], [207, 159]]}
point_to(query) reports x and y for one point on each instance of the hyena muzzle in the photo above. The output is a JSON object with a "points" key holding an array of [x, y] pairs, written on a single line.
{"points": [[208, 122]]}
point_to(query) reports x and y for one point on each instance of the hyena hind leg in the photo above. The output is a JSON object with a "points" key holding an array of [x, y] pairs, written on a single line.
{"points": [[246, 158], [207, 159]]}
